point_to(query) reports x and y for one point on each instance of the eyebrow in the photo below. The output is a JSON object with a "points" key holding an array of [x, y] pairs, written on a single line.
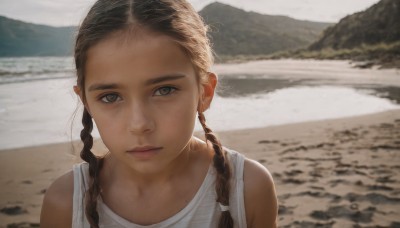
{"points": [[152, 81], [102, 87], [164, 78]]}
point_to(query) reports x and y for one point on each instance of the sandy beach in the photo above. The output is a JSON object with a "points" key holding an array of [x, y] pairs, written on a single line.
{"points": [[331, 173]]}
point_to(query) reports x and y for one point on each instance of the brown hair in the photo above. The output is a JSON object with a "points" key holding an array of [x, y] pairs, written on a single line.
{"points": [[178, 20]]}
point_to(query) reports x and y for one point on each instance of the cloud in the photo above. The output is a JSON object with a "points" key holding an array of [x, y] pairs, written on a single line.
{"points": [[57, 13]]}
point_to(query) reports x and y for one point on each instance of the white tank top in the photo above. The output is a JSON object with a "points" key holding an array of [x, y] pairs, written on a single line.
{"points": [[202, 211]]}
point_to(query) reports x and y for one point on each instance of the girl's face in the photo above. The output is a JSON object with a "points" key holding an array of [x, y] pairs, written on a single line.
{"points": [[142, 91]]}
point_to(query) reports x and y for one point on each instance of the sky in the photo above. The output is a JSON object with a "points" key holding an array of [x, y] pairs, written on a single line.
{"points": [[67, 12]]}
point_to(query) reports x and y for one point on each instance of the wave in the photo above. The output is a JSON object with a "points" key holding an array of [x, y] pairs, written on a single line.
{"points": [[5, 73], [16, 70], [19, 77]]}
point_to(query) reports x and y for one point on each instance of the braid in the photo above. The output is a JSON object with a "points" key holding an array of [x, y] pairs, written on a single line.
{"points": [[221, 164], [95, 165]]}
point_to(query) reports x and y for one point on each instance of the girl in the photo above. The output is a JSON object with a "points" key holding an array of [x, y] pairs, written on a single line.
{"points": [[142, 68]]}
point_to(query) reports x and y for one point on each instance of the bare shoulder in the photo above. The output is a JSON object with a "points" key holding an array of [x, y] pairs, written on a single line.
{"points": [[260, 197], [57, 203]]}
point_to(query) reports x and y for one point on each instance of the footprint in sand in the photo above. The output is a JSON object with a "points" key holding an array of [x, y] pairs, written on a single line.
{"points": [[293, 181], [262, 161], [310, 224], [332, 197], [284, 197], [317, 188], [23, 225], [13, 210], [334, 183], [386, 125], [380, 187], [268, 141], [46, 170], [373, 198], [384, 147], [315, 173], [276, 175], [385, 179], [292, 173], [364, 216], [284, 210]]}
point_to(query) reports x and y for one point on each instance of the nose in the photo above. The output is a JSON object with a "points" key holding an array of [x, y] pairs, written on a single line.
{"points": [[140, 120]]}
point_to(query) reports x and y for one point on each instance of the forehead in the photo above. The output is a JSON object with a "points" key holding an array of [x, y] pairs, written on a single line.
{"points": [[138, 56]]}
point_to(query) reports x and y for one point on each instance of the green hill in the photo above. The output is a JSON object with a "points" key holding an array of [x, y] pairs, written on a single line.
{"points": [[237, 32], [371, 36], [378, 24], [19, 38]]}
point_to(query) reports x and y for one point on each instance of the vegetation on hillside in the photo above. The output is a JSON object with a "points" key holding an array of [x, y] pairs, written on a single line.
{"points": [[382, 54], [237, 32], [378, 24], [371, 36]]}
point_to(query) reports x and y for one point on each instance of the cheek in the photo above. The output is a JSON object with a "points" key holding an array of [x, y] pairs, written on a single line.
{"points": [[182, 116], [108, 126], [105, 128], [102, 120]]}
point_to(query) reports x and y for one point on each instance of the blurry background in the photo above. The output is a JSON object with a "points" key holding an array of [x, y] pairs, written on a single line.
{"points": [[281, 64]]}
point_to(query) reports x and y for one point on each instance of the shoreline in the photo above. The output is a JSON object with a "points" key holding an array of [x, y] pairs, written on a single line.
{"points": [[75, 144], [346, 170]]}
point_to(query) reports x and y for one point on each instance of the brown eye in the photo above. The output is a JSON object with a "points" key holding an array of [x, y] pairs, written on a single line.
{"points": [[109, 98], [163, 91]]}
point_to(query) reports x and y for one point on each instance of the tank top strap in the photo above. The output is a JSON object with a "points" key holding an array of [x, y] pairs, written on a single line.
{"points": [[237, 162], [81, 183], [237, 197]]}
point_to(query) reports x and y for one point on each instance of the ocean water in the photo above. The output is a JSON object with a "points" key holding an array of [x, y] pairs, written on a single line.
{"points": [[38, 106], [14, 70]]}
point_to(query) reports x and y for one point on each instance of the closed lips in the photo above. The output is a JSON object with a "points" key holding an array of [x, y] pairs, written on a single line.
{"points": [[144, 149]]}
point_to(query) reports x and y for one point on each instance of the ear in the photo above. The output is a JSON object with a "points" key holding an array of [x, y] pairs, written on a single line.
{"points": [[207, 92], [78, 92]]}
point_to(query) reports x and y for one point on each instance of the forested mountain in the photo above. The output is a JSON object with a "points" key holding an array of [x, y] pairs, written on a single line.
{"points": [[237, 32], [378, 24], [19, 38]]}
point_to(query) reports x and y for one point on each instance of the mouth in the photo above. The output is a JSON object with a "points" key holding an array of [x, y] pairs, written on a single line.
{"points": [[143, 149], [145, 152]]}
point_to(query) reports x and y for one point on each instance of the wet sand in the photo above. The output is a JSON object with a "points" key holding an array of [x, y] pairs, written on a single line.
{"points": [[331, 71], [332, 173]]}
